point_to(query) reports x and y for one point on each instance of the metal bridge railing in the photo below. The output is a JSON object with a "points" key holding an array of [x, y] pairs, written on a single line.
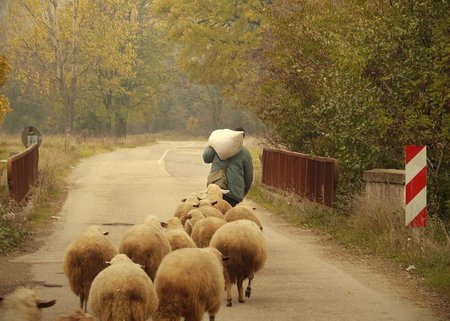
{"points": [[311, 178], [22, 171]]}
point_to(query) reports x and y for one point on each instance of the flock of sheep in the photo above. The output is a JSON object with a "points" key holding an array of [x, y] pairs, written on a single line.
{"points": [[164, 270]]}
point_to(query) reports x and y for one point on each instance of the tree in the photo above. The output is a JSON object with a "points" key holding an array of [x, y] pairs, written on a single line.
{"points": [[215, 41], [4, 103], [44, 41], [359, 81], [130, 61]]}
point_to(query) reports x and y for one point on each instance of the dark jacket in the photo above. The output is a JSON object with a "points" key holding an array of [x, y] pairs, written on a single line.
{"points": [[239, 172]]}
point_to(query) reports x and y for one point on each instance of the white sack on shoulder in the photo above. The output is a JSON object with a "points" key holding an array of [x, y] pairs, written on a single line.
{"points": [[226, 142]]}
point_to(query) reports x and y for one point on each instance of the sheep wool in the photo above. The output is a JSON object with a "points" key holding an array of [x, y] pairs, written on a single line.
{"points": [[22, 305], [244, 244], [84, 258], [177, 236], [209, 211], [205, 229], [79, 315], [146, 245], [222, 205], [189, 283], [122, 291], [241, 212]]}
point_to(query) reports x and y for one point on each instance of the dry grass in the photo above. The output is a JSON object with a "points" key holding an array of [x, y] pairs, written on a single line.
{"points": [[367, 227]]}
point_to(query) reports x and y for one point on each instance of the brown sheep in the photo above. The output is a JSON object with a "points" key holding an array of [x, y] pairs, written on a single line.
{"points": [[176, 235], [191, 218], [205, 229], [222, 205], [241, 212], [123, 291], [79, 315], [244, 244], [146, 245], [189, 283], [84, 258], [209, 211], [22, 305]]}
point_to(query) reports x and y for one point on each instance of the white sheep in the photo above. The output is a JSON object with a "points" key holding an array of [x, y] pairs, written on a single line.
{"points": [[145, 244], [22, 305], [205, 229], [244, 244], [189, 283], [123, 291], [84, 258], [176, 235], [241, 212]]}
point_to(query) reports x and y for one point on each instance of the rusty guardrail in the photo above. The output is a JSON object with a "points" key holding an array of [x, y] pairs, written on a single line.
{"points": [[312, 178], [22, 171]]}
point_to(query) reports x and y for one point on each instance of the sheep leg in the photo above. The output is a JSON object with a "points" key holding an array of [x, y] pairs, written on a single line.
{"points": [[240, 290], [228, 288], [248, 291], [82, 301]]}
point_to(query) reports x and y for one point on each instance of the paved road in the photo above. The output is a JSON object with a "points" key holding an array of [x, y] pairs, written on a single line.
{"points": [[300, 281]]}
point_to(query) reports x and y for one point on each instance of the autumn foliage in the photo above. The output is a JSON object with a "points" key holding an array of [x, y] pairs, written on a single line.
{"points": [[4, 103]]}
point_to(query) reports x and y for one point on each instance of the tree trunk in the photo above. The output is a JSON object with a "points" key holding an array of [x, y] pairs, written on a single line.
{"points": [[121, 125]]}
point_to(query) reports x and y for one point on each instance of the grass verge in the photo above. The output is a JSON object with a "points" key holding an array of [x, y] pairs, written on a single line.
{"points": [[369, 228]]}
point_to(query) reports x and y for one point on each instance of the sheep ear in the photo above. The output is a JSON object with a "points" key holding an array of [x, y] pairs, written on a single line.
{"points": [[225, 258], [108, 262], [105, 233], [225, 191], [163, 224], [45, 304]]}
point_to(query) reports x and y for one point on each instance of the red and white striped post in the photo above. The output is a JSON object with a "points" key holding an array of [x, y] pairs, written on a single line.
{"points": [[416, 186]]}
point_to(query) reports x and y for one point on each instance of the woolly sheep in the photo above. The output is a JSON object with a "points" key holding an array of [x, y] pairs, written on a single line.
{"points": [[205, 229], [183, 208], [191, 218], [79, 315], [146, 245], [189, 283], [214, 192], [22, 305], [176, 235], [154, 221], [209, 211], [123, 291], [222, 205], [240, 212], [244, 244], [84, 258]]}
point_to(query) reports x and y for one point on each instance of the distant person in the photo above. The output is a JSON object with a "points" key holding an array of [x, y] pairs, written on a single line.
{"points": [[238, 171]]}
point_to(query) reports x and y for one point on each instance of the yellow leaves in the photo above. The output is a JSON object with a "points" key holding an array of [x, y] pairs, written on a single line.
{"points": [[4, 103], [4, 107]]}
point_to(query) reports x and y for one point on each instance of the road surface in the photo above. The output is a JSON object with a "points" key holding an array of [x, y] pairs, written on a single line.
{"points": [[303, 279]]}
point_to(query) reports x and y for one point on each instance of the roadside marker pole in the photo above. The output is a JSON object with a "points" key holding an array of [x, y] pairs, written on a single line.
{"points": [[416, 186]]}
